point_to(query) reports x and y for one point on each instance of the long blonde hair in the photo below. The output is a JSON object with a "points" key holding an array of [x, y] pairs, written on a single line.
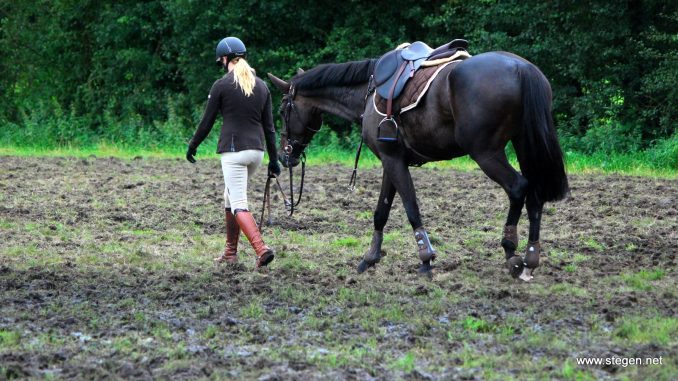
{"points": [[243, 76]]}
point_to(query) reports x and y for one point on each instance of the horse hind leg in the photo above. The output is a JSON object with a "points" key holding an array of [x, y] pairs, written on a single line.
{"points": [[533, 251], [516, 194], [496, 167]]}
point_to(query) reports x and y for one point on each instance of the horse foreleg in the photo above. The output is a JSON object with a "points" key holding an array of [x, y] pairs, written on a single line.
{"points": [[381, 213], [398, 171]]}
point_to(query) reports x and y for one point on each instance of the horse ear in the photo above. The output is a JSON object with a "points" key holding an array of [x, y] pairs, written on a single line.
{"points": [[279, 83], [300, 71]]}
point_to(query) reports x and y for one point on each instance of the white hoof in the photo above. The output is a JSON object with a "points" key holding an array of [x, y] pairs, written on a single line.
{"points": [[526, 274]]}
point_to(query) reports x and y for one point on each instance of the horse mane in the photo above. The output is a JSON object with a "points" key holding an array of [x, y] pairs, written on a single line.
{"points": [[332, 74]]}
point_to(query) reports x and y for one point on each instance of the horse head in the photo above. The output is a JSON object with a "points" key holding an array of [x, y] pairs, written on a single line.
{"points": [[301, 121]]}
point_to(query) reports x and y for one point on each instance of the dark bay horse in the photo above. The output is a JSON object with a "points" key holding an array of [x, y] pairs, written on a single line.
{"points": [[474, 108]]}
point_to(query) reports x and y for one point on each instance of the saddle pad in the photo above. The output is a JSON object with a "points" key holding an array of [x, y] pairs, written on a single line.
{"points": [[459, 55], [413, 92]]}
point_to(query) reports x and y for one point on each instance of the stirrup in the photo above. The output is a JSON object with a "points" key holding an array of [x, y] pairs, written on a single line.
{"points": [[390, 136]]}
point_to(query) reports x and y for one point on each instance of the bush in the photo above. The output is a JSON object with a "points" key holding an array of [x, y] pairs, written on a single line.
{"points": [[664, 154]]}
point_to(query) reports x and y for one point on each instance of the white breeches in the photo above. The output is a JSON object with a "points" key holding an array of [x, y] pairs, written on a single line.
{"points": [[237, 168]]}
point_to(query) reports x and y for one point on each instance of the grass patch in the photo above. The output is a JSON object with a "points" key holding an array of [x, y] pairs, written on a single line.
{"points": [[9, 339], [645, 163], [571, 372], [253, 310], [346, 242], [405, 363], [568, 289], [648, 330], [474, 324], [592, 244], [641, 280]]}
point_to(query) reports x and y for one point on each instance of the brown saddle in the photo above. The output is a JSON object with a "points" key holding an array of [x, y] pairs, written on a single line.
{"points": [[395, 68]]}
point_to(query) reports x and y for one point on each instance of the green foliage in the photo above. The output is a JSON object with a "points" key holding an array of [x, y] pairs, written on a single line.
{"points": [[136, 73]]}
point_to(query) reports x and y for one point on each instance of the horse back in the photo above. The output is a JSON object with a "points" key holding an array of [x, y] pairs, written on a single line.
{"points": [[491, 74], [486, 100]]}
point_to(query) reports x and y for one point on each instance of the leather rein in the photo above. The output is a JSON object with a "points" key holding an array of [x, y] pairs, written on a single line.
{"points": [[288, 147]]}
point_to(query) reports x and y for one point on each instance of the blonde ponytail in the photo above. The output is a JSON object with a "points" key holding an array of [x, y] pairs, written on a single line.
{"points": [[244, 76]]}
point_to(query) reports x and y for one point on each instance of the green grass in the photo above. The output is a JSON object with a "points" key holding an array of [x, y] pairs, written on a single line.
{"points": [[593, 244], [405, 363], [477, 325], [648, 330], [346, 242], [645, 163], [642, 280], [9, 339]]}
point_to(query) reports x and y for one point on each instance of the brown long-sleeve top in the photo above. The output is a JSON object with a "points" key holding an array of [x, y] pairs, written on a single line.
{"points": [[247, 121]]}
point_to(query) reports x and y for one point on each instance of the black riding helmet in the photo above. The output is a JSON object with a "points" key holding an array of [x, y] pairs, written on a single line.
{"points": [[230, 47]]}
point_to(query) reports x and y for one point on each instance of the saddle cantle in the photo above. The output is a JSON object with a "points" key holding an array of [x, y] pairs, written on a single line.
{"points": [[448, 50], [395, 68]]}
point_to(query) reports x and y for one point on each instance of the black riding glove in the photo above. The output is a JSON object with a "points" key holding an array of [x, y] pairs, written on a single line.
{"points": [[273, 168], [190, 153]]}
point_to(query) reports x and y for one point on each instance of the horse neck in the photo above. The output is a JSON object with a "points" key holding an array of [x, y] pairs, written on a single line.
{"points": [[346, 102]]}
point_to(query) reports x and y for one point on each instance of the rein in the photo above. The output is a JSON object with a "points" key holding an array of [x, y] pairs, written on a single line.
{"points": [[289, 203], [267, 201], [288, 147], [354, 175]]}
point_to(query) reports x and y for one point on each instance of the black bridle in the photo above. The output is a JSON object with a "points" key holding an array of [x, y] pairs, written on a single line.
{"points": [[290, 145]]}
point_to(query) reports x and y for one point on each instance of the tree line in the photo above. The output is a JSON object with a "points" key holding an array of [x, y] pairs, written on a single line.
{"points": [[73, 71]]}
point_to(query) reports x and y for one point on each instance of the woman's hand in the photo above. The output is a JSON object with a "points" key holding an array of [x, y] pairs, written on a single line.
{"points": [[273, 168], [190, 153]]}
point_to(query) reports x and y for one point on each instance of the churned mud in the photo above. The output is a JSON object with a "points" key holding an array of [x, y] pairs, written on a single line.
{"points": [[106, 272]]}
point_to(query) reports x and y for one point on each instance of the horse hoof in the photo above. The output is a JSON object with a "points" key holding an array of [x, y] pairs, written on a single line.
{"points": [[364, 266], [425, 269], [515, 266], [526, 275]]}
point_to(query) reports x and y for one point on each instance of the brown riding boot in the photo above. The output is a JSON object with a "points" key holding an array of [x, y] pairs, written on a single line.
{"points": [[232, 234], [264, 253]]}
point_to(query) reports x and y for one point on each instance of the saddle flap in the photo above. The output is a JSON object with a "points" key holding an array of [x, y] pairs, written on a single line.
{"points": [[387, 66], [400, 81], [415, 51]]}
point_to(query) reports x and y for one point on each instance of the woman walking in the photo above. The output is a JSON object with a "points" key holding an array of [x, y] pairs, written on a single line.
{"points": [[244, 102]]}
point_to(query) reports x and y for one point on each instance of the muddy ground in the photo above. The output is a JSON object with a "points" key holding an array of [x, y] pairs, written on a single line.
{"points": [[106, 272]]}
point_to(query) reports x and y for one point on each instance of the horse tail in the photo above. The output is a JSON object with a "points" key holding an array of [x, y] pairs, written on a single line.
{"points": [[541, 159]]}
